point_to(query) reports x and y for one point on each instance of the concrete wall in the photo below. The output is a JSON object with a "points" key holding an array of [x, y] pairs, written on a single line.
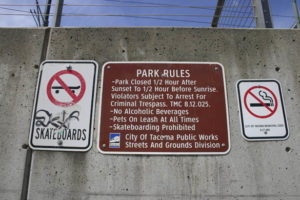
{"points": [[252, 170], [20, 55]]}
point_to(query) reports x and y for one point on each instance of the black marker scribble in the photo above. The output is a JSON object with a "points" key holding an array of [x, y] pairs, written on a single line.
{"points": [[45, 118]]}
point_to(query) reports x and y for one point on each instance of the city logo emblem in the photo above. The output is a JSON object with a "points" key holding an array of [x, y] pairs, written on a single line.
{"points": [[114, 140]]}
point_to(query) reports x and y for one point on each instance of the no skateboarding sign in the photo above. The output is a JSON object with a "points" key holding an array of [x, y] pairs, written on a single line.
{"points": [[262, 110], [63, 112], [69, 90]]}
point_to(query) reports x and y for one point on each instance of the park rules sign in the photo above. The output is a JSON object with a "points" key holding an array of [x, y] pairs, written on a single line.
{"points": [[163, 108], [63, 111]]}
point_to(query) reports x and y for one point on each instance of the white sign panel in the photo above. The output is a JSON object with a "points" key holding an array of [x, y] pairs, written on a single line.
{"points": [[262, 110], [63, 111]]}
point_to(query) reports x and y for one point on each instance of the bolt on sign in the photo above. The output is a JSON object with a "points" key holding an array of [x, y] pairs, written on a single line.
{"points": [[63, 112], [163, 108], [262, 110]]}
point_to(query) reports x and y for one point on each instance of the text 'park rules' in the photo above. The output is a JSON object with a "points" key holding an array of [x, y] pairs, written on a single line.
{"points": [[163, 108]]}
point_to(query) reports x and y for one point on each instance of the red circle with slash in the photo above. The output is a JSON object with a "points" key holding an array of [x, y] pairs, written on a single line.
{"points": [[249, 92], [57, 77]]}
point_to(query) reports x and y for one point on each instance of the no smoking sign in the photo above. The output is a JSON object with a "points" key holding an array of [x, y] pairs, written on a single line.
{"points": [[260, 102], [262, 110], [63, 112]]}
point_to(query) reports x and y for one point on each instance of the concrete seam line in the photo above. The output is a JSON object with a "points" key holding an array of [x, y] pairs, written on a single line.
{"points": [[28, 160], [26, 174], [45, 45]]}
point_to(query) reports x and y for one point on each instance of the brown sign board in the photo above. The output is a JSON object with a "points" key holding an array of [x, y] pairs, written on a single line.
{"points": [[163, 108]]}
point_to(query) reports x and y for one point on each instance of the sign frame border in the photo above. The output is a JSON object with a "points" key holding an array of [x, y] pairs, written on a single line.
{"points": [[253, 139], [162, 153], [92, 114]]}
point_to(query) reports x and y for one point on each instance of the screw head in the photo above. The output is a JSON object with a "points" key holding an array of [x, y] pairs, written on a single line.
{"points": [[60, 142], [217, 68], [223, 145], [108, 67], [104, 145], [69, 67]]}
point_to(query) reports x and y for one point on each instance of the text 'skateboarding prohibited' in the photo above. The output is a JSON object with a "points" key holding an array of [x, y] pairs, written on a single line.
{"points": [[63, 112], [262, 110]]}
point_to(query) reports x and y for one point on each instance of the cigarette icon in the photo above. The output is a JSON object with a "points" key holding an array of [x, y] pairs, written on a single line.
{"points": [[265, 97], [260, 105]]}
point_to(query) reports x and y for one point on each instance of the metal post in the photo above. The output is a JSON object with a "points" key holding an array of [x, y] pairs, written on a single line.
{"points": [[58, 13], [218, 12], [46, 13], [296, 13], [262, 14]]}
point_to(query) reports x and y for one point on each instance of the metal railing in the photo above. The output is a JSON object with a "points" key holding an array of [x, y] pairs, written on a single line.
{"points": [[227, 14]]}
